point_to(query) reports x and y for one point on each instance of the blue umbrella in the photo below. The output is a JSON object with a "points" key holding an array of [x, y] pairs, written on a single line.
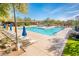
{"points": [[4, 26], [11, 26], [24, 31]]}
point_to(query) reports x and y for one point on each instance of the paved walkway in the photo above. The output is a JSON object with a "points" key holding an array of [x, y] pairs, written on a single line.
{"points": [[37, 49], [44, 47]]}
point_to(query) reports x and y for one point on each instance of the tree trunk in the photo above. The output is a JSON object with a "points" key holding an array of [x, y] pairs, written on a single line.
{"points": [[15, 25]]}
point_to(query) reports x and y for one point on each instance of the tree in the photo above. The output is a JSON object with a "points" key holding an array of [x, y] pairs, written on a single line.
{"points": [[5, 11], [27, 19], [21, 8]]}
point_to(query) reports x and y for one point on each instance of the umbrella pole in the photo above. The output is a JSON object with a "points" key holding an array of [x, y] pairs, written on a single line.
{"points": [[15, 25]]}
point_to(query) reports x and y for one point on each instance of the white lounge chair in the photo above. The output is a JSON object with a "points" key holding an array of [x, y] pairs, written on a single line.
{"points": [[12, 36], [2, 36]]}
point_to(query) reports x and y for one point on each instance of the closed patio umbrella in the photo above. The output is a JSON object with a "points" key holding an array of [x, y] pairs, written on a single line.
{"points": [[4, 26], [11, 26], [24, 31]]}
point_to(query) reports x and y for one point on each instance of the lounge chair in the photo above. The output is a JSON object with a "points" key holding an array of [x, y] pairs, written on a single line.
{"points": [[2, 36], [12, 36], [5, 47]]}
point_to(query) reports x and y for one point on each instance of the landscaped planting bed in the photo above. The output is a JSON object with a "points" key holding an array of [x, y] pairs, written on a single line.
{"points": [[72, 47]]}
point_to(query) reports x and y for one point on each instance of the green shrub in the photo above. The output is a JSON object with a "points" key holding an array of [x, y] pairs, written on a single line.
{"points": [[22, 23], [27, 24], [71, 48]]}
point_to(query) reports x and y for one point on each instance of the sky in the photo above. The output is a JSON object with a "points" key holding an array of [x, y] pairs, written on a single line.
{"points": [[58, 11]]}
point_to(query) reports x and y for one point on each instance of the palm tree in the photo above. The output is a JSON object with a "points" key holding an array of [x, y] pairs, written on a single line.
{"points": [[4, 12]]}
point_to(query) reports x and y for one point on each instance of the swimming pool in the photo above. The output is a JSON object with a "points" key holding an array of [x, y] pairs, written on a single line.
{"points": [[48, 32]]}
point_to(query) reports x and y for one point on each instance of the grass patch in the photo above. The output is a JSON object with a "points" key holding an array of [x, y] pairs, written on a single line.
{"points": [[71, 48]]}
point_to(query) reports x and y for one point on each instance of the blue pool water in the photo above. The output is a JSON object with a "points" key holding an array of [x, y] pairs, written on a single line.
{"points": [[49, 32]]}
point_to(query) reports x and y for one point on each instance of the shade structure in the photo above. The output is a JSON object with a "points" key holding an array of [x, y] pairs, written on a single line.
{"points": [[11, 26], [4, 26], [24, 31]]}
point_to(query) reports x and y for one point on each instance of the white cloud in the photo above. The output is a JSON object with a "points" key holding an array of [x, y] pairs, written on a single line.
{"points": [[64, 17], [56, 10], [75, 11], [73, 6], [63, 13], [62, 9]]}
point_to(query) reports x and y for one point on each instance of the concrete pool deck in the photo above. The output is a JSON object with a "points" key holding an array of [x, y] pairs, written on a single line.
{"points": [[40, 47], [43, 43]]}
